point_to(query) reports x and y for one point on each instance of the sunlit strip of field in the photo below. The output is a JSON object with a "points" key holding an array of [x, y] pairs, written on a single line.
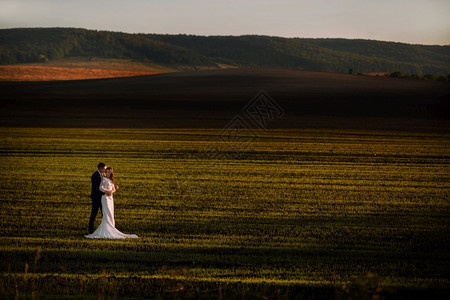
{"points": [[40, 73]]}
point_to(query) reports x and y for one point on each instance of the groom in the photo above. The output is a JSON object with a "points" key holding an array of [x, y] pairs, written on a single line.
{"points": [[96, 194]]}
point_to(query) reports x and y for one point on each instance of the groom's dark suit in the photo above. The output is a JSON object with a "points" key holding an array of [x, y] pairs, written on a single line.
{"points": [[96, 196]]}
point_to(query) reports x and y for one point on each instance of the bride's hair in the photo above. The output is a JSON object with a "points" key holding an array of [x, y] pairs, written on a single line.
{"points": [[111, 177]]}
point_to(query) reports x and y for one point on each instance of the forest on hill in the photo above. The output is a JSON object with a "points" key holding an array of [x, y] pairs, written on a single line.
{"points": [[29, 45]]}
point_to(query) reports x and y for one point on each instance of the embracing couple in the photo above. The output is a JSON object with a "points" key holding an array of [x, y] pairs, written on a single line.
{"points": [[103, 188]]}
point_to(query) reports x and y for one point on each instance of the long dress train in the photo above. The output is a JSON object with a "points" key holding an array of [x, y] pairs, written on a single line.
{"points": [[107, 229]]}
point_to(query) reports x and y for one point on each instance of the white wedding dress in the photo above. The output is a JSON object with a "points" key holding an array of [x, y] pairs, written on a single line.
{"points": [[107, 229]]}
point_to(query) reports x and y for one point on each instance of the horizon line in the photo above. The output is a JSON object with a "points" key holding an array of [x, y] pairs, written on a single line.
{"points": [[225, 35]]}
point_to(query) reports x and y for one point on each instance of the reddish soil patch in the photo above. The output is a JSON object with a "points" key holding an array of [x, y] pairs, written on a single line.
{"points": [[38, 73]]}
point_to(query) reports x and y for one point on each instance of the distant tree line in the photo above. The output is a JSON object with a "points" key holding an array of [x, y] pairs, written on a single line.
{"points": [[336, 55], [398, 74], [318, 54]]}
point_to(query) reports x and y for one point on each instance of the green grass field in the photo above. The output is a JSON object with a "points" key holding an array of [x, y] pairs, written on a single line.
{"points": [[294, 213]]}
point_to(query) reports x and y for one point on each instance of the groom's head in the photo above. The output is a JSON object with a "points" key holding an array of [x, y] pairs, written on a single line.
{"points": [[101, 167]]}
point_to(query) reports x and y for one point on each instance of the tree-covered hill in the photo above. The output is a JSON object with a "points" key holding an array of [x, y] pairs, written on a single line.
{"points": [[41, 44], [338, 55]]}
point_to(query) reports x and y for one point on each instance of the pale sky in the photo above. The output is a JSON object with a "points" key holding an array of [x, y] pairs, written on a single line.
{"points": [[409, 21]]}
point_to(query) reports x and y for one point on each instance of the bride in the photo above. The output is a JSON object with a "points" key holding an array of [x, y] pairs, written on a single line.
{"points": [[107, 229]]}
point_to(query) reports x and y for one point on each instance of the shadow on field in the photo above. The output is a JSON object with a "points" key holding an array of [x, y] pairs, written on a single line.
{"points": [[209, 99], [106, 286]]}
